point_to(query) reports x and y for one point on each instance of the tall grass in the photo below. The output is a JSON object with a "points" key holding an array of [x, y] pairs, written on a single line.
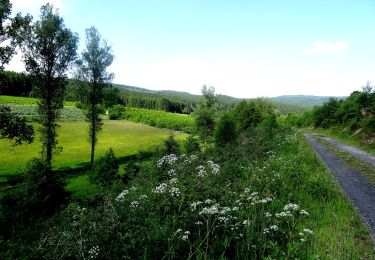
{"points": [[237, 202]]}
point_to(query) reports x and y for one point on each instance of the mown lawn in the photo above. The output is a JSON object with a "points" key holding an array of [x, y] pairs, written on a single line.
{"points": [[124, 137]]}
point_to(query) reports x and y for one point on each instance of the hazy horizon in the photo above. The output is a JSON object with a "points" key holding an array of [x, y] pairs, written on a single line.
{"points": [[244, 49]]}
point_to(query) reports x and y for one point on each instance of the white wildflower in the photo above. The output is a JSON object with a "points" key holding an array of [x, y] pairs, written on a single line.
{"points": [[246, 222], [268, 215], [167, 160], [161, 188], [223, 219], [214, 209], [122, 195], [304, 212], [133, 189], [173, 181], [302, 240], [199, 223], [274, 228], [93, 252], [193, 205], [309, 231], [142, 197], [171, 173], [247, 190], [266, 231], [134, 204], [174, 192], [301, 234], [291, 206], [209, 201]]}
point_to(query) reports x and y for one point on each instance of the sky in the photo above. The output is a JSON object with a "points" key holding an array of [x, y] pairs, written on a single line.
{"points": [[243, 48]]}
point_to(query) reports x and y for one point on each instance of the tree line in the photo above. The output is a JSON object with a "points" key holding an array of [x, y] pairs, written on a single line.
{"points": [[354, 113]]}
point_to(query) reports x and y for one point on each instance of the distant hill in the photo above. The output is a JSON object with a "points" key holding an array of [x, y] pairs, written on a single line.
{"points": [[284, 104], [302, 100]]}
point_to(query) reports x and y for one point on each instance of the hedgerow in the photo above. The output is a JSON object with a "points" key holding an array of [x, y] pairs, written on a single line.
{"points": [[161, 119]]}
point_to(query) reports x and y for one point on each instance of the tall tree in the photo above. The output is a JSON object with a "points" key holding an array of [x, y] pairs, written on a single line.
{"points": [[12, 31], [49, 50], [93, 64]]}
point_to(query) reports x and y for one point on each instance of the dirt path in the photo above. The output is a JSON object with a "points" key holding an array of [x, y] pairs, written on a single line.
{"points": [[358, 190]]}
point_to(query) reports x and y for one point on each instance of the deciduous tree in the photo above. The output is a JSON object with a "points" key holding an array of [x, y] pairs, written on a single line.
{"points": [[49, 51], [93, 64]]}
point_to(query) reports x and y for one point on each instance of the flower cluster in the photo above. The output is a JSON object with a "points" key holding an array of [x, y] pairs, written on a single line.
{"points": [[161, 188], [175, 192], [167, 160], [182, 235], [215, 168], [93, 252], [122, 195]]}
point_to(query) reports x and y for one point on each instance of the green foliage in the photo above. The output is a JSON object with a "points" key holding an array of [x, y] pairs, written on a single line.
{"points": [[248, 115], [44, 188], [170, 145], [226, 130], [282, 205], [49, 50], [30, 112], [205, 121], [12, 31], [12, 100], [106, 169], [93, 64], [209, 96], [126, 138], [14, 127], [161, 119], [191, 144], [15, 84], [116, 112]]}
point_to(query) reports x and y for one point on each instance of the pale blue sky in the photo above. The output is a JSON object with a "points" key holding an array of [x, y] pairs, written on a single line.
{"points": [[242, 48]]}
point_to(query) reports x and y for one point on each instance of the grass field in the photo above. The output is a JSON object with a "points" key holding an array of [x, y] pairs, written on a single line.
{"points": [[10, 100], [124, 137]]}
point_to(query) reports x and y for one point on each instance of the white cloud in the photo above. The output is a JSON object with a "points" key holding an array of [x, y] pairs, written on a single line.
{"points": [[326, 47]]}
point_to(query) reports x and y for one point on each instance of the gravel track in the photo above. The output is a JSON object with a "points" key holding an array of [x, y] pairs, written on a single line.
{"points": [[354, 185]]}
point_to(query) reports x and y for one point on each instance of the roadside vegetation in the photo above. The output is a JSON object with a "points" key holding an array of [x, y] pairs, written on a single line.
{"points": [[240, 185]]}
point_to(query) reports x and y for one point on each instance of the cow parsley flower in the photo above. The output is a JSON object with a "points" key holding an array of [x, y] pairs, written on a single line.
{"points": [[122, 195], [174, 192], [93, 252], [291, 206], [161, 188]]}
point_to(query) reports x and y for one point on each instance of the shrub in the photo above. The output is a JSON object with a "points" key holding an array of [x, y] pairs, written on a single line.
{"points": [[191, 144], [170, 145], [226, 132], [44, 188], [116, 111], [106, 169]]}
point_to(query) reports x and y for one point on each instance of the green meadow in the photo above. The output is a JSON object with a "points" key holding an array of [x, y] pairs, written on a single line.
{"points": [[124, 137]]}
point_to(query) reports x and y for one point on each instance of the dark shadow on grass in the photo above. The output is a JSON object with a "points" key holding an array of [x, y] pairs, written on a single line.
{"points": [[14, 180]]}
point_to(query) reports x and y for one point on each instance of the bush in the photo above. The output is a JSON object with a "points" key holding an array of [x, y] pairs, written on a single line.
{"points": [[106, 169], [44, 188], [116, 112], [226, 132], [191, 144], [170, 145]]}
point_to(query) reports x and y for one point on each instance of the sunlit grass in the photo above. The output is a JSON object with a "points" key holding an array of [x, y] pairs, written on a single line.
{"points": [[124, 137]]}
